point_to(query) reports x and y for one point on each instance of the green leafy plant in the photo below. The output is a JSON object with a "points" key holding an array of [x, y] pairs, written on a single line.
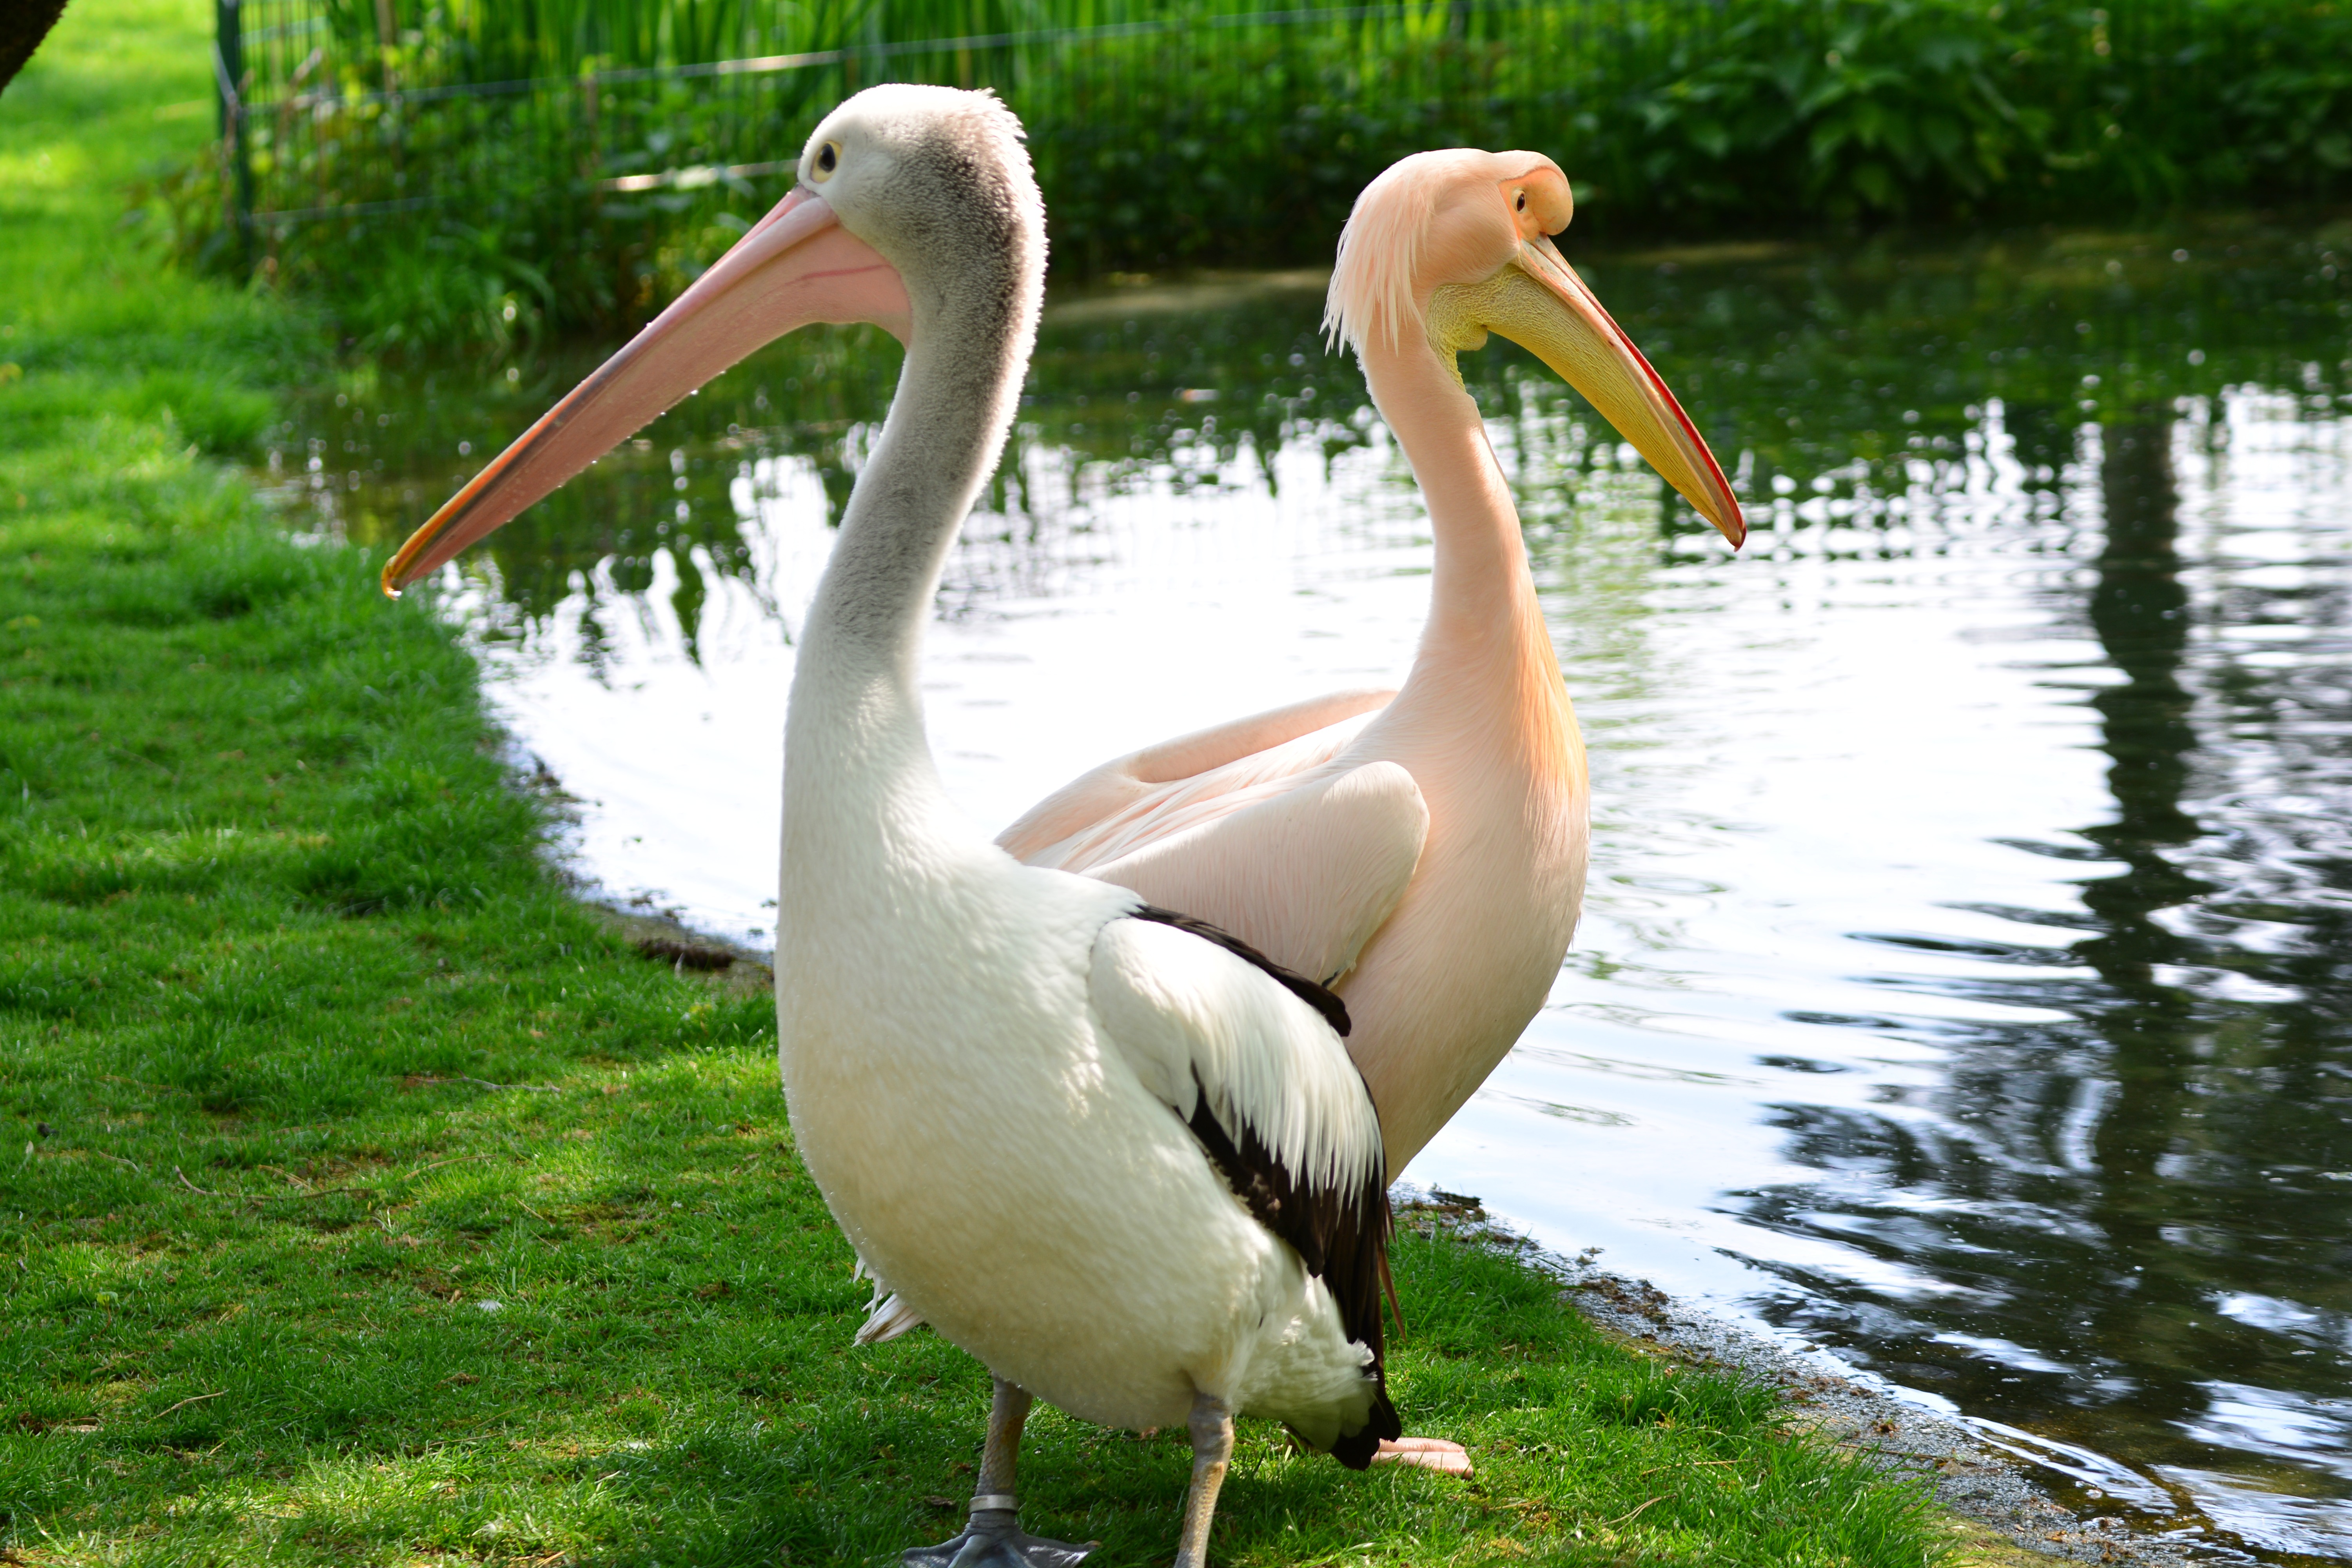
{"points": [[500, 171]]}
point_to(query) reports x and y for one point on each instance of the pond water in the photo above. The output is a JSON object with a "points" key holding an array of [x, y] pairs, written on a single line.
{"points": [[1966, 982]]}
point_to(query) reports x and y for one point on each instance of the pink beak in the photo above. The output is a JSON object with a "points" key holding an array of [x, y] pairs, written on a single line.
{"points": [[796, 266]]}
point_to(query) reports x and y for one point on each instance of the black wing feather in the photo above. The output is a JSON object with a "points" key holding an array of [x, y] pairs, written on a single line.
{"points": [[1315, 995], [1341, 1233]]}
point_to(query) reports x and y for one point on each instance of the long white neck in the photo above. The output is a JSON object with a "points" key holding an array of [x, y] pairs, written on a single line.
{"points": [[858, 775]]}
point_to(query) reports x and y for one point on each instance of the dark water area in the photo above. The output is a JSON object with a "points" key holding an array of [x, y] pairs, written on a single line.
{"points": [[1966, 983]]}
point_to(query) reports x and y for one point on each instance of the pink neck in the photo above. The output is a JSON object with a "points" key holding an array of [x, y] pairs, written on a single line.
{"points": [[1484, 627]]}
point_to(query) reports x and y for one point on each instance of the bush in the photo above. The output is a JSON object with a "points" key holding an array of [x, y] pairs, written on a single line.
{"points": [[467, 214]]}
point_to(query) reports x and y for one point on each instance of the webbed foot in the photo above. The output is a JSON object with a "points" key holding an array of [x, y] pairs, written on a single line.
{"points": [[994, 1538], [1426, 1454]]}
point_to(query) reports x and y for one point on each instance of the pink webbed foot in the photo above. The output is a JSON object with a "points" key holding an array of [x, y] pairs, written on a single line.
{"points": [[1426, 1453]]}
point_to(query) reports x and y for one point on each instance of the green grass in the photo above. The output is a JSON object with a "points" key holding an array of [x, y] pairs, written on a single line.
{"points": [[307, 1060], [96, 325]]}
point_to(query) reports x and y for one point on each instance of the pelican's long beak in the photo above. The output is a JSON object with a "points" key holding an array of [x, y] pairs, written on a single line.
{"points": [[1556, 319], [796, 266]]}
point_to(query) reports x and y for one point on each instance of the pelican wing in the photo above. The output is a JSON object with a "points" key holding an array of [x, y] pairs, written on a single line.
{"points": [[1304, 876], [1204, 1019], [1111, 809], [1249, 1055], [1260, 827]]}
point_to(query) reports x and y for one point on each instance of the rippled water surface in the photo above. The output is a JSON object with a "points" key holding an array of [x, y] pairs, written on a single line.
{"points": [[1966, 983]]}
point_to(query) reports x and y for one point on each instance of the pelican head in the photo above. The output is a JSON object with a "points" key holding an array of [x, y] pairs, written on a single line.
{"points": [[1445, 248], [935, 180], [900, 188]]}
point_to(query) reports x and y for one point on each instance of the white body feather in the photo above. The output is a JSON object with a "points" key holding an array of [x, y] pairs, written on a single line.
{"points": [[990, 1076]]}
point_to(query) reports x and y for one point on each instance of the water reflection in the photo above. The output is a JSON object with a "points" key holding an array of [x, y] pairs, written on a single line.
{"points": [[2164, 1168], [1964, 980]]}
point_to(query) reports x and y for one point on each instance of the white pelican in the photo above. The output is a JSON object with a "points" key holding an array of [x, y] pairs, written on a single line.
{"points": [[1422, 850], [1111, 1152]]}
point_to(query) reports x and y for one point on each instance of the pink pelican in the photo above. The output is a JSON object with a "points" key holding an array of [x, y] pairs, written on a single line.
{"points": [[1031, 1099], [1421, 851]]}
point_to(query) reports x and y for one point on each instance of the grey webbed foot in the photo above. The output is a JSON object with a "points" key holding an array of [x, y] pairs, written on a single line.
{"points": [[994, 1538]]}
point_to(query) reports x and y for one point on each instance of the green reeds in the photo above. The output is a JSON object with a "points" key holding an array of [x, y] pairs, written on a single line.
{"points": [[496, 170]]}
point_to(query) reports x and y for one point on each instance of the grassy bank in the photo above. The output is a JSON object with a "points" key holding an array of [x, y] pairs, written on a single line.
{"points": [[364, 1199], [610, 162]]}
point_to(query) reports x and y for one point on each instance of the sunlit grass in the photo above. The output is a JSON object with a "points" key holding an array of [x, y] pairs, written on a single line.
{"points": [[611, 1322], [95, 321]]}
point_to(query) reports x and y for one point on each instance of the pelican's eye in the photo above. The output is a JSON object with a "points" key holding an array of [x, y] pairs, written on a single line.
{"points": [[1519, 203], [828, 158]]}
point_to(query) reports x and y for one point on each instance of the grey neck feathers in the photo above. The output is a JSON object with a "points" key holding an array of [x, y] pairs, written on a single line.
{"points": [[854, 704]]}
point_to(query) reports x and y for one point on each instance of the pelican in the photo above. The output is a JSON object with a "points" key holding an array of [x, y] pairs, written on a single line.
{"points": [[1421, 851], [1112, 1151]]}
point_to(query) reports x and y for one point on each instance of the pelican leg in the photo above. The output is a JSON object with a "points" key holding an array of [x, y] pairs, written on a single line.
{"points": [[1213, 1452], [993, 1537]]}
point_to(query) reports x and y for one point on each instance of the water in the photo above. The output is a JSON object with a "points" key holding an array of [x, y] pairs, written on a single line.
{"points": [[1966, 982]]}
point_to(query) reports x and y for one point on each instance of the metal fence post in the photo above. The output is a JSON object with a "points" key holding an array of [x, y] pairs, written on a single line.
{"points": [[228, 74]]}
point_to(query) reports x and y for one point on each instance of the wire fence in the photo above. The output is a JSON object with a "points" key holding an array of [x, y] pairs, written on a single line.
{"points": [[332, 122], [597, 152]]}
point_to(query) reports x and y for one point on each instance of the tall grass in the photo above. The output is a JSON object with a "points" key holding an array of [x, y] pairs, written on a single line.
{"points": [[487, 170]]}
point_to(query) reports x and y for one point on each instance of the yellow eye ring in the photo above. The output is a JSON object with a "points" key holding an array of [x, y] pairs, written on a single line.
{"points": [[828, 158]]}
